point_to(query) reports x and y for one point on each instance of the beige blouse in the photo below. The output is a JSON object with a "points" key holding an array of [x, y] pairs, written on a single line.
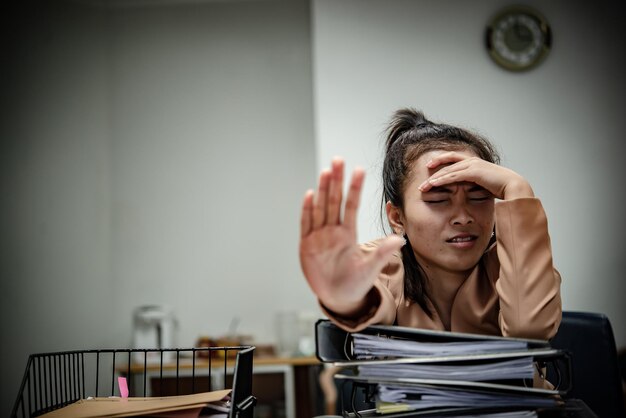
{"points": [[513, 291]]}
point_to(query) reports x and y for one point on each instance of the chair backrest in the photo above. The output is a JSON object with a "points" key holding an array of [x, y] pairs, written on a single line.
{"points": [[588, 336]]}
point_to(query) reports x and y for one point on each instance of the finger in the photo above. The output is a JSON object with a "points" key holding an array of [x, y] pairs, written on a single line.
{"points": [[445, 158], [425, 186], [335, 192], [459, 176], [353, 198], [306, 218], [453, 173], [319, 203], [379, 258]]}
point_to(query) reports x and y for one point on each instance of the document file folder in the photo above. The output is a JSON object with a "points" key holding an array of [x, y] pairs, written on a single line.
{"points": [[406, 369]]}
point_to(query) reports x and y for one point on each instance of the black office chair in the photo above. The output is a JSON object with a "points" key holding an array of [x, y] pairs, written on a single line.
{"points": [[596, 376]]}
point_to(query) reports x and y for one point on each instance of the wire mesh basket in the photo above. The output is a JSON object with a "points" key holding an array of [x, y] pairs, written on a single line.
{"points": [[54, 380]]}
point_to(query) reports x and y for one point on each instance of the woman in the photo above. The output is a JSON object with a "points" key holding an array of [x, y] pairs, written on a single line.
{"points": [[470, 250]]}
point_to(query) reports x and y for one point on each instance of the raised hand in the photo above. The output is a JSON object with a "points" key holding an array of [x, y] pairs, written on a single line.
{"points": [[338, 272], [501, 182]]}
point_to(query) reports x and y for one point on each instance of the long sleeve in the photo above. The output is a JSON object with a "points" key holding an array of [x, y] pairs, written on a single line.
{"points": [[513, 291], [528, 286], [388, 305], [383, 298]]}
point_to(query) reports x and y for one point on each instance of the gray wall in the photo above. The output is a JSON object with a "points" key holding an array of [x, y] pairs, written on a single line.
{"points": [[151, 155], [159, 154], [55, 268]]}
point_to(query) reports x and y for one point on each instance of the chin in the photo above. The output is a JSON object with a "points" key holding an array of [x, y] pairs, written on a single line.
{"points": [[464, 265]]}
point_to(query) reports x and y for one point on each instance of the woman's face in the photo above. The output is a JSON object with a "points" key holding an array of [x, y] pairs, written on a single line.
{"points": [[449, 227]]}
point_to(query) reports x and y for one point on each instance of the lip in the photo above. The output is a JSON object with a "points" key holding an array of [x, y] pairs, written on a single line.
{"points": [[463, 240]]}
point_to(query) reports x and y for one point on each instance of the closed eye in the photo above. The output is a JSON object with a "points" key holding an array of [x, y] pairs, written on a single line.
{"points": [[479, 194], [436, 195]]}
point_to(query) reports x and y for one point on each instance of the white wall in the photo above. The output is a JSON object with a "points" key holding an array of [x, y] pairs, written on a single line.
{"points": [[561, 125], [211, 154], [151, 155]]}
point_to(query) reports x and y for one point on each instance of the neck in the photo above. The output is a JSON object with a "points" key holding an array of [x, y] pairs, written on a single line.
{"points": [[442, 287]]}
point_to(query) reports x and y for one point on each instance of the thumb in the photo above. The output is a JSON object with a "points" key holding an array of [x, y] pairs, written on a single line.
{"points": [[382, 255]]}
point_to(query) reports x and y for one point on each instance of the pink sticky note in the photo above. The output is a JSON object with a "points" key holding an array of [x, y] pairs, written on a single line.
{"points": [[121, 381]]}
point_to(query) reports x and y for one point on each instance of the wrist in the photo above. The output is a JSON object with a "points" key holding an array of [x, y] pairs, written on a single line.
{"points": [[356, 309], [518, 189]]}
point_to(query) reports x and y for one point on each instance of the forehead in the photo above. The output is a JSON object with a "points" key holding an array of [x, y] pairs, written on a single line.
{"points": [[419, 172], [419, 165]]}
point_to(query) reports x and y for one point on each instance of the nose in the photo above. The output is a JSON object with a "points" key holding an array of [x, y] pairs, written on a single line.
{"points": [[461, 215]]}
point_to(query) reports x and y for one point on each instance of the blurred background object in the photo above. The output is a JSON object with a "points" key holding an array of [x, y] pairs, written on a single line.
{"points": [[154, 327]]}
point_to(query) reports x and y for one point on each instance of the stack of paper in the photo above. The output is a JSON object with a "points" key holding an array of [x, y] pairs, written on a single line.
{"points": [[519, 368], [432, 371], [374, 346], [415, 397]]}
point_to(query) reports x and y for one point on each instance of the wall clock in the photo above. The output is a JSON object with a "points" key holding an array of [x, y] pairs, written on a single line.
{"points": [[518, 38]]}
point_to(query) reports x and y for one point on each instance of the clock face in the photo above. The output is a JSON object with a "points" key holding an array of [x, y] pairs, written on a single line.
{"points": [[518, 38]]}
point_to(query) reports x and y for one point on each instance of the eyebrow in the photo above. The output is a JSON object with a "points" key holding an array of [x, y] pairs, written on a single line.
{"points": [[477, 188], [439, 189], [444, 189]]}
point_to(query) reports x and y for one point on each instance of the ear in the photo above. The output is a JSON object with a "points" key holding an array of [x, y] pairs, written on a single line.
{"points": [[395, 218]]}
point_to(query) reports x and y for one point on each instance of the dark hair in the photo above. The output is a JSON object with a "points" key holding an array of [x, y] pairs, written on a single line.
{"points": [[410, 135]]}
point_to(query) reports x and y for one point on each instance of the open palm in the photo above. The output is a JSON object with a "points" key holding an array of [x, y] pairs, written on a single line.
{"points": [[338, 272]]}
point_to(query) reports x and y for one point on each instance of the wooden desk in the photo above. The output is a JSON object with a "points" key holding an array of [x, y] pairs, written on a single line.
{"points": [[300, 392]]}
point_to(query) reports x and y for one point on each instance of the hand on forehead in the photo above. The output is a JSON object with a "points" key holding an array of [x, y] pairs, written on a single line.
{"points": [[432, 161]]}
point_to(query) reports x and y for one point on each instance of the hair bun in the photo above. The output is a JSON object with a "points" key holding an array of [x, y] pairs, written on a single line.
{"points": [[404, 120]]}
